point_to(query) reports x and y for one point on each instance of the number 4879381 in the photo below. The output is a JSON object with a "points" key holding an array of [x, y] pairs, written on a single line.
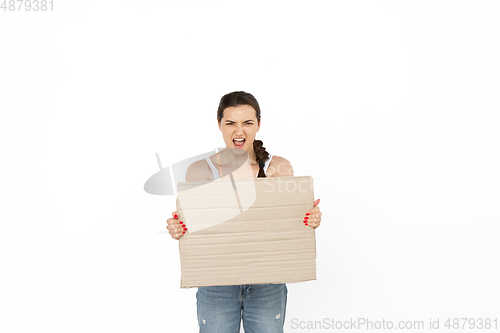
{"points": [[27, 5]]}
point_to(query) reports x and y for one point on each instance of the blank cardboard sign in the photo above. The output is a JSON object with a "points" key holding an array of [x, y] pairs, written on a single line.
{"points": [[246, 231]]}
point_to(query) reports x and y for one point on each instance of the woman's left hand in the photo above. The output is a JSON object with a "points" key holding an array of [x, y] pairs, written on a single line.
{"points": [[313, 216]]}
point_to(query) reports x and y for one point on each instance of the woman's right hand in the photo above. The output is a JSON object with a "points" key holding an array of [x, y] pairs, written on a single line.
{"points": [[175, 227]]}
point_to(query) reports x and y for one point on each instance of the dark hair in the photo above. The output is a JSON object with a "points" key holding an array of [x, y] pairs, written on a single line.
{"points": [[238, 98]]}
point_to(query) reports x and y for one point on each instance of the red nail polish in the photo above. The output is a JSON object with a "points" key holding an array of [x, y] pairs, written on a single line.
{"points": [[307, 214], [306, 218], [183, 232], [183, 225], [175, 216], [185, 229], [307, 224], [304, 221]]}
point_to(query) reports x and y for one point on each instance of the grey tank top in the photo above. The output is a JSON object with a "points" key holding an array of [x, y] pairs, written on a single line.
{"points": [[216, 172]]}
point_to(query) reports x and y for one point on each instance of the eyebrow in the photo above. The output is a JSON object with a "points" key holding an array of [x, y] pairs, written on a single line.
{"points": [[232, 121]]}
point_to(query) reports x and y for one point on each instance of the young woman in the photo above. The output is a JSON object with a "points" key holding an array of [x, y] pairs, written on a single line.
{"points": [[261, 306]]}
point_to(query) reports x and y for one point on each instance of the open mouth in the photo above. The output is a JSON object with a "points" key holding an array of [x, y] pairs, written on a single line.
{"points": [[239, 143]]}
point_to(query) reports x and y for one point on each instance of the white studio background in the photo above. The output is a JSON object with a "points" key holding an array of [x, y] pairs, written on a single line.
{"points": [[391, 106]]}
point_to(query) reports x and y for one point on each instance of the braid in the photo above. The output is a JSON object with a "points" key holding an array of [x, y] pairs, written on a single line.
{"points": [[261, 156]]}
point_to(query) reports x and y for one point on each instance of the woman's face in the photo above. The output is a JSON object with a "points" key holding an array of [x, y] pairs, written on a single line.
{"points": [[239, 122]]}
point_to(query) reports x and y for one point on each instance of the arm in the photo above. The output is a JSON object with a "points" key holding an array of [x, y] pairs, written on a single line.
{"points": [[195, 172], [281, 167]]}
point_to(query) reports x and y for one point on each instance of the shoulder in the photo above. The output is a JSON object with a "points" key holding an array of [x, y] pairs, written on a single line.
{"points": [[198, 171], [279, 167]]}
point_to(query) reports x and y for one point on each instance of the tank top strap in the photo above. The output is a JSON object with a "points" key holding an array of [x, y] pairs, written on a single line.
{"points": [[213, 168], [218, 164], [266, 164]]}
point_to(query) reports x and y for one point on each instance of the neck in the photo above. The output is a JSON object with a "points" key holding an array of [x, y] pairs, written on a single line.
{"points": [[252, 157], [235, 159]]}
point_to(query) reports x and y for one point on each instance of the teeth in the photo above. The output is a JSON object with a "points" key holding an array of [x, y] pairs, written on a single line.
{"points": [[239, 139]]}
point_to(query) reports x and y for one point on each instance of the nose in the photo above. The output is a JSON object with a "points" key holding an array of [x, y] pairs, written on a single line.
{"points": [[239, 130]]}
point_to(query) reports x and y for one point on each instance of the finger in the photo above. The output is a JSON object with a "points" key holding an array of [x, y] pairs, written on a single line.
{"points": [[183, 225], [310, 214], [175, 214], [175, 226], [172, 221], [313, 210], [315, 219], [178, 234], [175, 231], [314, 224], [175, 223], [310, 223], [173, 234], [316, 203], [308, 220]]}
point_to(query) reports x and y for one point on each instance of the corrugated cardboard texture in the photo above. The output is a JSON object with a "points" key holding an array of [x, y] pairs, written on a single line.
{"points": [[252, 235]]}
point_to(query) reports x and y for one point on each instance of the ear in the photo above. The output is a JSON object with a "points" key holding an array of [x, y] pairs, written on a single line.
{"points": [[218, 124], [258, 125]]}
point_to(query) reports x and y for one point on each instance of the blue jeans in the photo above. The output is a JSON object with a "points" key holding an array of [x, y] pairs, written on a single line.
{"points": [[261, 306]]}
